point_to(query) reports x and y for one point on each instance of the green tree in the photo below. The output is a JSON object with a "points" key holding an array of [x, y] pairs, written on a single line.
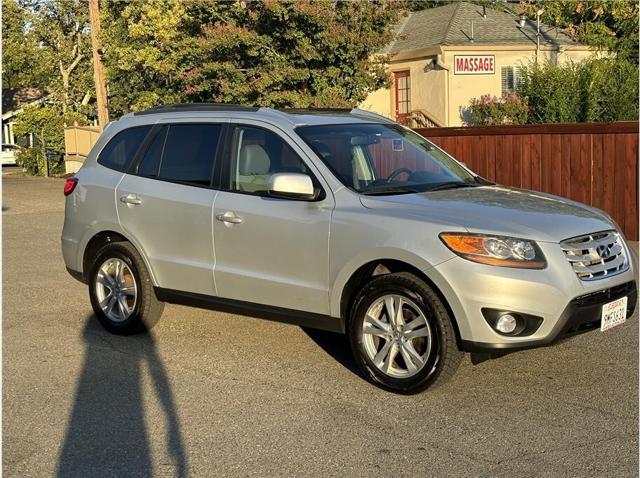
{"points": [[302, 54], [272, 53], [605, 24], [23, 61], [46, 45], [417, 5], [62, 29], [147, 46]]}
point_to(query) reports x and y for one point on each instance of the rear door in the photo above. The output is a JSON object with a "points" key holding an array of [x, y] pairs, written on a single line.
{"points": [[165, 203]]}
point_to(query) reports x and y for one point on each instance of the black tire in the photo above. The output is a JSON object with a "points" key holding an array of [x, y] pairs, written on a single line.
{"points": [[147, 310], [443, 359]]}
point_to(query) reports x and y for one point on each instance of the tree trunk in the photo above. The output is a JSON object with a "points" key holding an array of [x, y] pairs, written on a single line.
{"points": [[65, 73], [44, 152], [65, 88]]}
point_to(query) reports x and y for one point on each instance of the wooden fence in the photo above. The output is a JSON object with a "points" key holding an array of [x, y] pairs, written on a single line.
{"points": [[593, 163]]}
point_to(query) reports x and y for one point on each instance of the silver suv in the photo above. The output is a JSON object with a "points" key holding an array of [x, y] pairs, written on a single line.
{"points": [[339, 220]]}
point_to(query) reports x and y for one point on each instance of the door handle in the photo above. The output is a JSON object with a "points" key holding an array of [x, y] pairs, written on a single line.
{"points": [[131, 199], [229, 218]]}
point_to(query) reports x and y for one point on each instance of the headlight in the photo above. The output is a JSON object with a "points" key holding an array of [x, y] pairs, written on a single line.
{"points": [[495, 250]]}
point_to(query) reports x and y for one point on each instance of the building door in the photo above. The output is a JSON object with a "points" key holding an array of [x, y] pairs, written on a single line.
{"points": [[403, 95]]}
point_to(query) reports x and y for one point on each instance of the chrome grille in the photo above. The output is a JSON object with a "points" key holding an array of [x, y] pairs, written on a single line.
{"points": [[596, 256]]}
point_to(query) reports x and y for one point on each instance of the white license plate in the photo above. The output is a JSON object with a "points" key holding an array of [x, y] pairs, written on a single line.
{"points": [[614, 313]]}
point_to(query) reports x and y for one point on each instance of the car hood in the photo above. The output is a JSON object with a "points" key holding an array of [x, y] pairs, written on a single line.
{"points": [[498, 210]]}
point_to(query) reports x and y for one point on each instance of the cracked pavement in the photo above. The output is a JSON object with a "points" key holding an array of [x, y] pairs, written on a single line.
{"points": [[210, 394]]}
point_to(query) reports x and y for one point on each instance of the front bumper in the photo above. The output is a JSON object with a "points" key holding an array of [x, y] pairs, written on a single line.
{"points": [[564, 304], [583, 314]]}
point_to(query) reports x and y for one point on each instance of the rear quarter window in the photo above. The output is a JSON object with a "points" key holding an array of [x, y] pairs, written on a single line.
{"points": [[120, 151]]}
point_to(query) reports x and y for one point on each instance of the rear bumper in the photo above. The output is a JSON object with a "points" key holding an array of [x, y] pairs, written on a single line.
{"points": [[581, 315]]}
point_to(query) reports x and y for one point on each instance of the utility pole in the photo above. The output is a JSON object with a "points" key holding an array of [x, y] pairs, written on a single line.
{"points": [[538, 13], [98, 67]]}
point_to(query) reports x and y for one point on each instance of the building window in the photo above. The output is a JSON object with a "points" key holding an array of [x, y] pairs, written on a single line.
{"points": [[511, 78], [403, 95]]}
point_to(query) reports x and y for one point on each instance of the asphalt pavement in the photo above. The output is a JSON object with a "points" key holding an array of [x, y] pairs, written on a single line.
{"points": [[211, 394]]}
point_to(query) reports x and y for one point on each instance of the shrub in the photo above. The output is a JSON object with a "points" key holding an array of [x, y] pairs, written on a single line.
{"points": [[31, 160], [599, 90], [612, 91], [491, 110], [46, 123], [555, 94]]}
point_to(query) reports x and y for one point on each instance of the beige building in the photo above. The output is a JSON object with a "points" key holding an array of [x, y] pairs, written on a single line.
{"points": [[443, 57]]}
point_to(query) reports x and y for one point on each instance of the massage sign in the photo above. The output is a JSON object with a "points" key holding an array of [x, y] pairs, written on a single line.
{"points": [[474, 64]]}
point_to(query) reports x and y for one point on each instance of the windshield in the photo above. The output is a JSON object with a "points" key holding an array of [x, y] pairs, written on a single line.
{"points": [[384, 158]]}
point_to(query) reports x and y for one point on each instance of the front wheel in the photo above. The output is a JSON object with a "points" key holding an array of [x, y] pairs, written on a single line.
{"points": [[121, 290], [401, 334]]}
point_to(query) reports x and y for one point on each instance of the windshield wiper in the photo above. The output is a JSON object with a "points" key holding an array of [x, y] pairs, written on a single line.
{"points": [[480, 181], [389, 190], [451, 185]]}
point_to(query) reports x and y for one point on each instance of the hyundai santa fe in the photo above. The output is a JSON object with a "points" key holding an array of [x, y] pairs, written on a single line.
{"points": [[338, 220]]}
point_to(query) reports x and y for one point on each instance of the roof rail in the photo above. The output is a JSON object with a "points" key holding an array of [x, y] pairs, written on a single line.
{"points": [[370, 114], [345, 111], [298, 111], [180, 107]]}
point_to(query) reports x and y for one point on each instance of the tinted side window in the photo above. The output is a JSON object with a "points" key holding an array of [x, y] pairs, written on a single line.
{"points": [[151, 160], [122, 148], [189, 152], [258, 154]]}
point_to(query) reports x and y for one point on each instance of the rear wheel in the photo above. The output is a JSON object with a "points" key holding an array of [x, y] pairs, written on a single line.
{"points": [[121, 290], [401, 334]]}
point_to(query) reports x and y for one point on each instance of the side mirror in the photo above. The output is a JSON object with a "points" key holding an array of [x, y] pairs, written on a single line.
{"points": [[291, 186]]}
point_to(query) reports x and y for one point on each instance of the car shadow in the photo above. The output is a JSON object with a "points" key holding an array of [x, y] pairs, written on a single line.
{"points": [[106, 434], [336, 345]]}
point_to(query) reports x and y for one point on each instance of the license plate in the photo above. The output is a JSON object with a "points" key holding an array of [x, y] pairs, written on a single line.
{"points": [[613, 314]]}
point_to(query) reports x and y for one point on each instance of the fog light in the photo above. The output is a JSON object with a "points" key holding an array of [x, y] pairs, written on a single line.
{"points": [[506, 324]]}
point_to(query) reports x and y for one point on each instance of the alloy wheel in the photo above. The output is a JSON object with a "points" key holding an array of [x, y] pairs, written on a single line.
{"points": [[116, 289], [397, 336]]}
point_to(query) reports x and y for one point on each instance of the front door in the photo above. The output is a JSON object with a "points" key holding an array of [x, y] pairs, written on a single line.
{"points": [[165, 205], [403, 95], [269, 251]]}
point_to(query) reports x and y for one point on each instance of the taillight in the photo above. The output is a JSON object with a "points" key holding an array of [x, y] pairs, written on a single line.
{"points": [[70, 185]]}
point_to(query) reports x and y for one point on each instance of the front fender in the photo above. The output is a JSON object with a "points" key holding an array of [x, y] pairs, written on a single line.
{"points": [[366, 257]]}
